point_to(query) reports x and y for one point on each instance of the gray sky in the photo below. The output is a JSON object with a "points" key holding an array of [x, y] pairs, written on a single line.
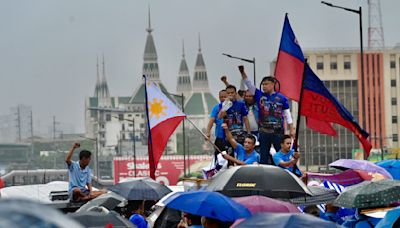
{"points": [[48, 48]]}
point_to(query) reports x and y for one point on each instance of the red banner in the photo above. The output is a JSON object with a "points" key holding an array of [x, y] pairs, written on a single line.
{"points": [[169, 169]]}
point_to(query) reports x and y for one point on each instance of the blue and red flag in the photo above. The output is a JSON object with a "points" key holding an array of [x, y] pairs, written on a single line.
{"points": [[289, 72], [319, 104], [290, 63]]}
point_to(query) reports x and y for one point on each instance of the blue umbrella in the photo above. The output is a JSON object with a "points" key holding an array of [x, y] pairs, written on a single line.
{"points": [[392, 166], [209, 204], [391, 219], [283, 220]]}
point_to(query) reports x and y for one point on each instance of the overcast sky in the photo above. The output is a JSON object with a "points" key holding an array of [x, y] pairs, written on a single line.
{"points": [[48, 48]]}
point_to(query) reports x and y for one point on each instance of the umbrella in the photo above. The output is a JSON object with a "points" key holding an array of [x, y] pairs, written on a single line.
{"points": [[266, 180], [392, 166], [370, 194], [209, 204], [344, 164], [285, 220], [26, 213], [257, 204], [391, 219], [95, 219], [347, 177], [320, 195], [141, 189], [109, 200]]}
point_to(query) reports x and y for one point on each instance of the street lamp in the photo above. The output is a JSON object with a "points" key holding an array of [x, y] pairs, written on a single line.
{"points": [[246, 60], [95, 156], [133, 138], [359, 12]]}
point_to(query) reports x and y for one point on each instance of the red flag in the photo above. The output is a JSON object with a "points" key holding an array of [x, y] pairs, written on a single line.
{"points": [[319, 104], [321, 126], [163, 118]]}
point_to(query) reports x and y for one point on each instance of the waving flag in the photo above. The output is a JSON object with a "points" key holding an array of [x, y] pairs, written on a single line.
{"points": [[319, 104], [290, 63], [163, 118]]}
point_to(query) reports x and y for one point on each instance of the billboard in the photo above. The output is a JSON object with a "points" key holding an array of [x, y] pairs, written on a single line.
{"points": [[169, 169]]}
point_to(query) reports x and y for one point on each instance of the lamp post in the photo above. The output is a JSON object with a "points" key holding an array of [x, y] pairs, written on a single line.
{"points": [[359, 12], [95, 155], [133, 139], [253, 61], [183, 134]]}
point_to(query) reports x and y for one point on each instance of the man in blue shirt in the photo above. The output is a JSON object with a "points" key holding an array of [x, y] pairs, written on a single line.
{"points": [[80, 180], [220, 141], [286, 157], [273, 108], [245, 154]]}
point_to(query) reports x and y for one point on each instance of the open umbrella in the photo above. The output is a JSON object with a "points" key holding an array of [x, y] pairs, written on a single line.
{"points": [[320, 195], [391, 219], [109, 200], [141, 189], [27, 213], [392, 166], [266, 180], [344, 164], [95, 219], [370, 194], [347, 177], [285, 220], [257, 204], [209, 204]]}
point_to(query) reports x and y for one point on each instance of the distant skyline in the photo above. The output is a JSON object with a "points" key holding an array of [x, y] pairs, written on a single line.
{"points": [[50, 47]]}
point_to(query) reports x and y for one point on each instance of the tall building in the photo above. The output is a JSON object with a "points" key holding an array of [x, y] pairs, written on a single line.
{"points": [[200, 103], [340, 70], [116, 121]]}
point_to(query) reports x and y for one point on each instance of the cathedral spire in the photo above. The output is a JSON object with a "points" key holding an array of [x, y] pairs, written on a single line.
{"points": [[98, 80], [200, 80], [199, 43], [149, 29], [184, 85]]}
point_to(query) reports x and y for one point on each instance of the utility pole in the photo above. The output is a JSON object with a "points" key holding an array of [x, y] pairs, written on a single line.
{"points": [[19, 123], [32, 146], [54, 127]]}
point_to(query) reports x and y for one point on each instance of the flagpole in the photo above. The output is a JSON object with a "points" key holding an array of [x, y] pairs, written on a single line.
{"points": [[149, 140], [208, 140], [299, 117]]}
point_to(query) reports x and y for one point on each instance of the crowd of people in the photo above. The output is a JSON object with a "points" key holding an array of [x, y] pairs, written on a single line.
{"points": [[249, 121]]}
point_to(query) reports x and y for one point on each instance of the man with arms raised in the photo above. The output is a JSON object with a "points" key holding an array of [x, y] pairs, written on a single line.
{"points": [[80, 180]]}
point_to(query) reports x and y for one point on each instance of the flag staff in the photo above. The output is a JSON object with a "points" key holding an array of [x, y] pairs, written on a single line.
{"points": [[208, 140], [150, 144]]}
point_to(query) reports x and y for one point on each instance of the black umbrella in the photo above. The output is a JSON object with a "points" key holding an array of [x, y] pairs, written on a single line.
{"points": [[95, 219], [141, 189], [109, 200], [26, 213], [266, 180], [320, 195]]}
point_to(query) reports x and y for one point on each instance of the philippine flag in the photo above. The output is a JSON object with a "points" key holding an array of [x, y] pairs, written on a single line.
{"points": [[163, 118]]}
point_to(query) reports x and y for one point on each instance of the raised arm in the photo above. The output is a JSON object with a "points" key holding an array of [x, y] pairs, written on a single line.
{"points": [[71, 152], [224, 79], [229, 136], [252, 88]]}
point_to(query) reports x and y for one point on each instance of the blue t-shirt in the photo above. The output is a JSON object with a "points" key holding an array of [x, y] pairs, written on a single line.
{"points": [[219, 131], [270, 111], [241, 155], [280, 156], [234, 117], [78, 178]]}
